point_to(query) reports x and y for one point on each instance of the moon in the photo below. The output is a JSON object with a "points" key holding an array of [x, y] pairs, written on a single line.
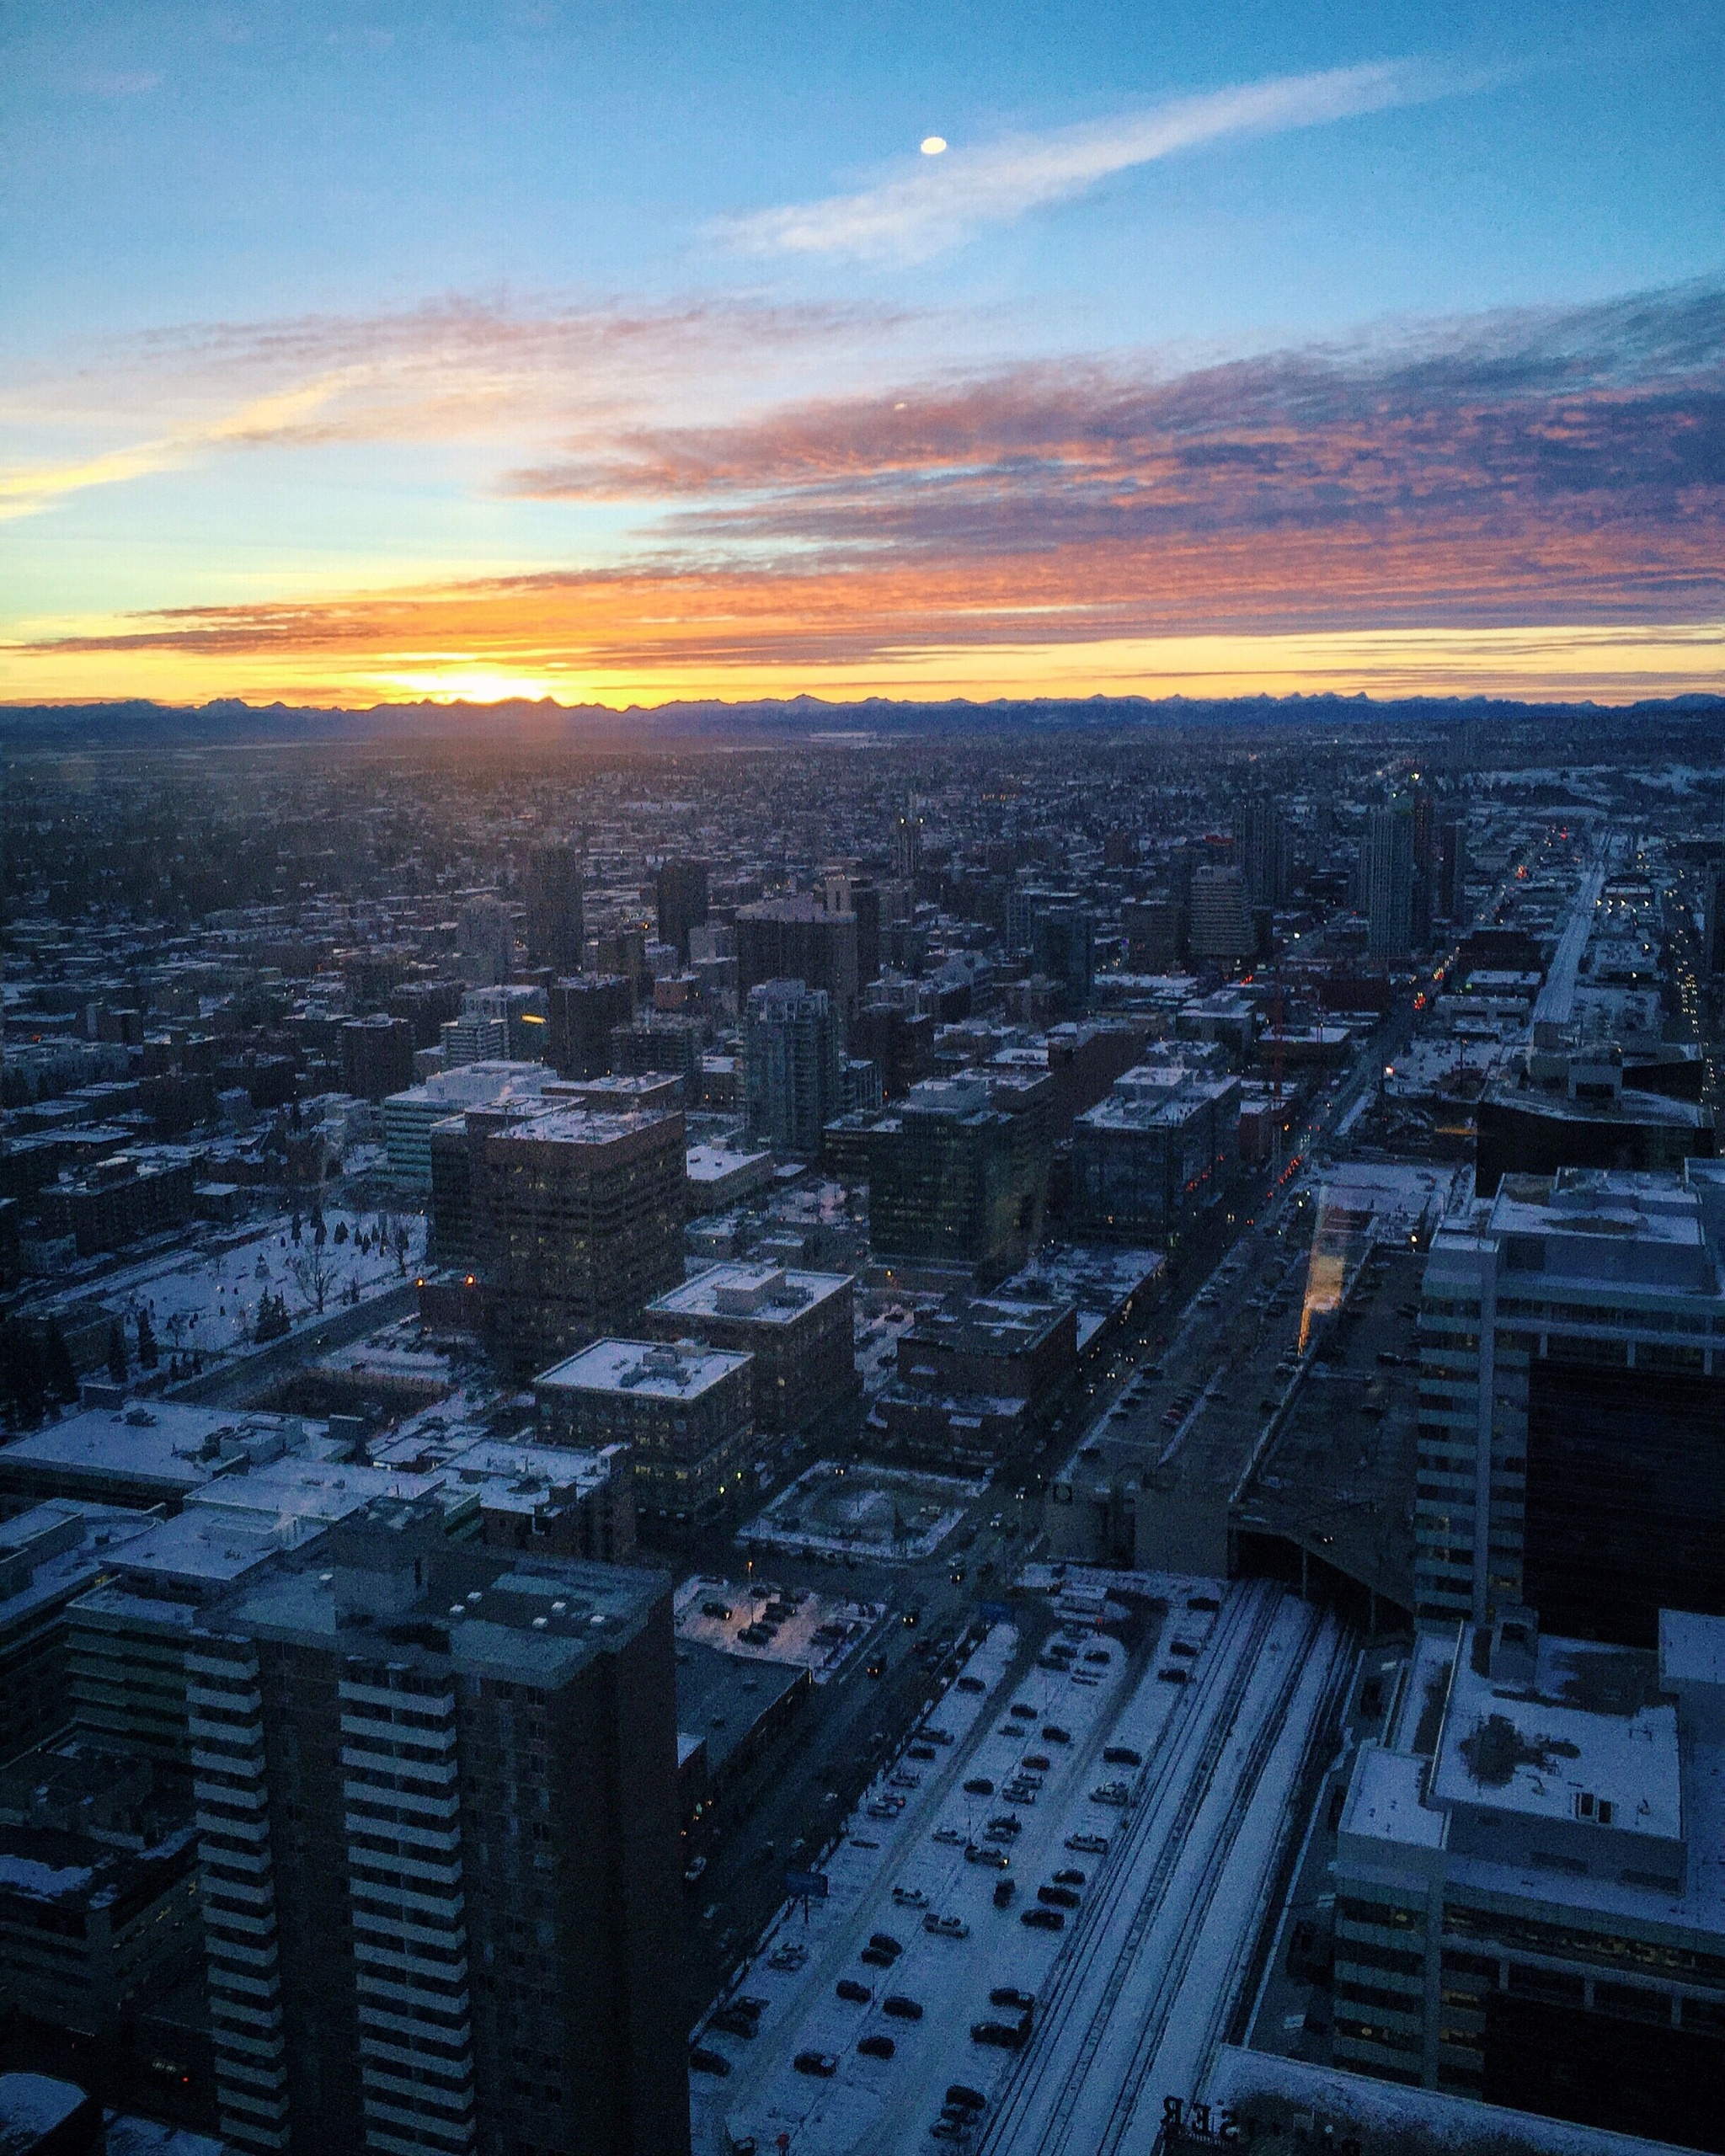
{"points": [[932, 145]]}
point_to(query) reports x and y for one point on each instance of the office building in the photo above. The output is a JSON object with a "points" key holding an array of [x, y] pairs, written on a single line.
{"points": [[1526, 1905], [1219, 921], [485, 939], [376, 1056], [1570, 1412], [686, 1413], [955, 1180], [790, 1057], [681, 895], [898, 1041], [907, 840], [436, 1788], [49, 1555], [663, 1043], [1449, 897], [798, 939], [1156, 1155], [1156, 934], [583, 1011], [556, 926], [1387, 879], [1571, 1106], [409, 1115], [797, 1326], [577, 1223]]}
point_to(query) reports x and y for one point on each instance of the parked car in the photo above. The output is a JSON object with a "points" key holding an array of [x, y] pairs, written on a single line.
{"points": [[847, 1987], [883, 1942], [1052, 1733], [819, 2063], [706, 2062], [733, 2022], [1174, 1676], [875, 1959], [1122, 1755], [1069, 1878], [971, 1684], [1006, 1995], [919, 1751], [1008, 2035], [1041, 1919], [1004, 1891], [1038, 1763], [721, 1611], [1088, 1844], [966, 2098], [901, 2009], [877, 2047], [979, 1785], [910, 1897], [1057, 1897]]}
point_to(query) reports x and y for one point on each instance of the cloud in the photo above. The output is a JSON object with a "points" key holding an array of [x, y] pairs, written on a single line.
{"points": [[936, 203]]}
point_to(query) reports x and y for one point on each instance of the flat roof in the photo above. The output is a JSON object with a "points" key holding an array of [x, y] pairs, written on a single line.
{"points": [[163, 1443], [1384, 1801], [721, 1698], [762, 1294], [719, 1163], [584, 1126], [647, 1367], [1691, 1649]]}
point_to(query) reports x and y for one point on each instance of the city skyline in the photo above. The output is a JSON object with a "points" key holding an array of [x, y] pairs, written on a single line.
{"points": [[625, 360]]}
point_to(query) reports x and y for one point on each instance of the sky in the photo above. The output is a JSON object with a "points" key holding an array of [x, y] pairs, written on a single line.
{"points": [[625, 353]]}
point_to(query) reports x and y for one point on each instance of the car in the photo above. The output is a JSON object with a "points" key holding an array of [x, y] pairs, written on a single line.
{"points": [[919, 1751], [847, 1987], [1038, 1763], [1202, 1602], [877, 2047], [952, 1928], [900, 1777], [1174, 1676], [949, 1836], [695, 1871], [1020, 1792], [979, 1785], [966, 2098], [1020, 1707], [1009, 2035], [1069, 1878], [706, 2062], [1004, 1995], [822, 2063], [933, 1735], [788, 1958], [1111, 1793], [1187, 1649], [733, 2022], [876, 1668], [875, 1959], [979, 1853], [913, 1616], [1042, 1919], [1052, 1733], [722, 1610], [1122, 1755], [958, 1576], [883, 1942], [1057, 1897], [1096, 1654], [971, 1684], [910, 1897], [1004, 1891], [901, 2009]]}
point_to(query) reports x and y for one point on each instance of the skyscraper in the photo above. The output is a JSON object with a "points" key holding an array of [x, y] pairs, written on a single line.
{"points": [[1388, 879], [1220, 929], [436, 1789], [556, 929], [798, 939], [681, 893], [791, 1044], [1451, 903], [583, 1011], [1270, 853]]}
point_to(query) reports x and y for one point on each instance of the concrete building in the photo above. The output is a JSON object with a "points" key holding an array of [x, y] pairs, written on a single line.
{"points": [[376, 1056], [798, 939], [408, 1115], [955, 1180], [557, 931], [796, 1326], [437, 1793], [686, 1414], [1219, 930], [1528, 1906], [790, 1054], [584, 1010], [578, 1223], [1155, 1155], [1571, 1362], [1576, 1106], [485, 937], [683, 906], [1063, 946], [1269, 850], [49, 1556], [1387, 877]]}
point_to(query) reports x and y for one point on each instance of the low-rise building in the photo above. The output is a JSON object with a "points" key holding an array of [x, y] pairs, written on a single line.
{"points": [[408, 1116], [686, 1414]]}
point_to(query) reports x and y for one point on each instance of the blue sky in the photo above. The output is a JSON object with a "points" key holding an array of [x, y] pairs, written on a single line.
{"points": [[295, 295]]}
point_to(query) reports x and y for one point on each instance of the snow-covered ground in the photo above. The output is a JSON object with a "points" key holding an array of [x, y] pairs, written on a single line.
{"points": [[894, 1515], [206, 1299]]}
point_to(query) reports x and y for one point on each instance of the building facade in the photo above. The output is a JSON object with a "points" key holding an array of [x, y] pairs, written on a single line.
{"points": [[797, 1326], [790, 1057], [687, 1415]]}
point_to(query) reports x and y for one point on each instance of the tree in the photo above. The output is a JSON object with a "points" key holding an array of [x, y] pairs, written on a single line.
{"points": [[118, 1369], [21, 1390], [58, 1376], [272, 1317], [147, 1356], [314, 1274]]}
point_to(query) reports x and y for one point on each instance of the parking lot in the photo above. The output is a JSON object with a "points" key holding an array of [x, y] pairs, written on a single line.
{"points": [[755, 1619], [943, 1827]]}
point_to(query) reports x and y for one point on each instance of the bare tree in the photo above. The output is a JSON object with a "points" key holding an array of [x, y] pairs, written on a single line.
{"points": [[315, 1273]]}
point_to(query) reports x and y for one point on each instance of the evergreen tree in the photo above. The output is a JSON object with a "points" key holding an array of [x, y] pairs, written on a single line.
{"points": [[147, 1356], [58, 1376], [118, 1368]]}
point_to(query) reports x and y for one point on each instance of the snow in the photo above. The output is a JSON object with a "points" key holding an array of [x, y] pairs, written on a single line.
{"points": [[34, 2104], [25, 1875], [857, 1510]]}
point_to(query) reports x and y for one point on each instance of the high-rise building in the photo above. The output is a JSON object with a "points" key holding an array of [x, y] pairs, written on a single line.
{"points": [[1387, 879], [681, 894], [583, 1011], [898, 1040], [485, 937], [1525, 1908], [1270, 853], [1220, 923], [1570, 1406], [556, 927], [436, 1792], [791, 1052], [955, 1179], [798, 939], [1063, 946], [797, 1326], [907, 840], [1155, 930], [376, 1056], [577, 1223], [1451, 893]]}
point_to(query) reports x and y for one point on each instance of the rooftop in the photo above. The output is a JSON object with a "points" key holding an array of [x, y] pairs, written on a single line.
{"points": [[766, 1294], [653, 1368]]}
